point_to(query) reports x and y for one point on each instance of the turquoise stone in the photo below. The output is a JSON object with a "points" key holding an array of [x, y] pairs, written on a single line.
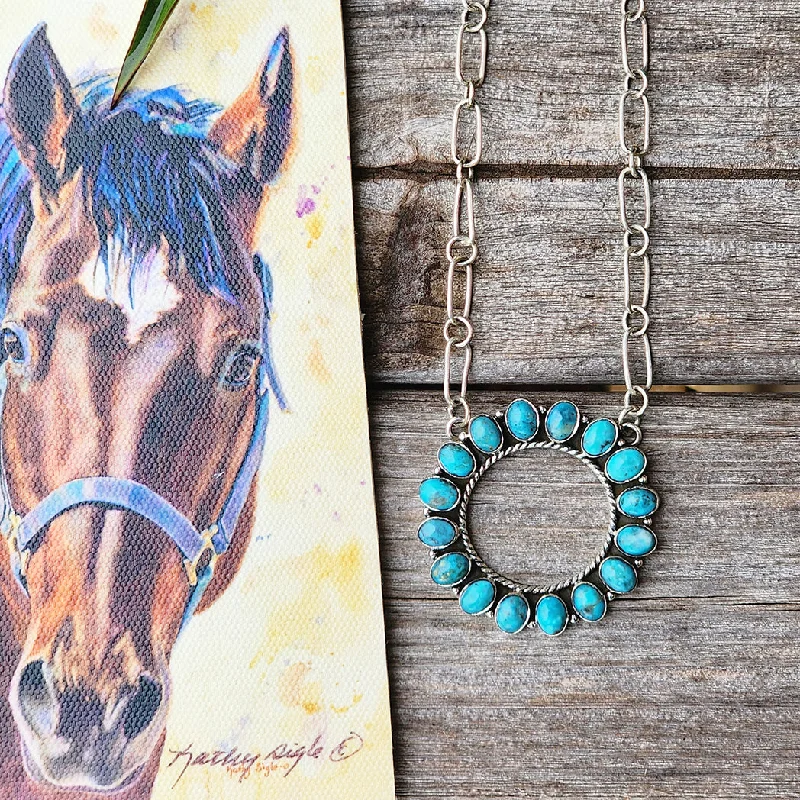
{"points": [[636, 540], [626, 465], [551, 614], [438, 494], [618, 575], [456, 460], [477, 597], [512, 613], [638, 502], [599, 437], [588, 602], [437, 533], [522, 420], [450, 569], [562, 421], [485, 434]]}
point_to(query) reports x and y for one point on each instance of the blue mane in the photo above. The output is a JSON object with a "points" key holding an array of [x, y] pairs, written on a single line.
{"points": [[151, 176]]}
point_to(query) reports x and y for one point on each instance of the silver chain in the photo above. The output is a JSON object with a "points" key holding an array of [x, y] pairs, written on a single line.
{"points": [[634, 140], [466, 146], [462, 248]]}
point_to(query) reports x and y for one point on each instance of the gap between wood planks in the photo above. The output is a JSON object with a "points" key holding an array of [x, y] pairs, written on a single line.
{"points": [[425, 171], [737, 388]]}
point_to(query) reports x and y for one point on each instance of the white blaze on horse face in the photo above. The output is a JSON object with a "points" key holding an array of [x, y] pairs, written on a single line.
{"points": [[144, 297]]}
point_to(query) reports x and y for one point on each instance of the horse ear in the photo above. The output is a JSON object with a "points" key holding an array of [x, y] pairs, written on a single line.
{"points": [[42, 114], [255, 132]]}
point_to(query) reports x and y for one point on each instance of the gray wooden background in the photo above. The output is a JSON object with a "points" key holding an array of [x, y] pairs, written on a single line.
{"points": [[690, 688]]}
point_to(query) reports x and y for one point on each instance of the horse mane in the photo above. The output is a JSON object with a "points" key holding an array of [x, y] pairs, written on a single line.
{"points": [[151, 175]]}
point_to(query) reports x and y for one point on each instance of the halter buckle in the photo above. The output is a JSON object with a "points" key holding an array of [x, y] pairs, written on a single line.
{"points": [[208, 547], [10, 528]]}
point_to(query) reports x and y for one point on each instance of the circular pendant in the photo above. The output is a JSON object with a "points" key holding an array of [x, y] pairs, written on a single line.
{"points": [[619, 468]]}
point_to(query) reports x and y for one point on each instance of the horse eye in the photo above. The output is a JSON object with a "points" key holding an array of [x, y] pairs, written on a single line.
{"points": [[13, 346], [239, 368]]}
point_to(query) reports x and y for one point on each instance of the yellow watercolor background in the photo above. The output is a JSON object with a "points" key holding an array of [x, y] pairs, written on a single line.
{"points": [[295, 648]]}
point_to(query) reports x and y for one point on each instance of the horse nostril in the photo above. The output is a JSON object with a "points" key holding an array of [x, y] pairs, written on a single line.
{"points": [[36, 699], [142, 707]]}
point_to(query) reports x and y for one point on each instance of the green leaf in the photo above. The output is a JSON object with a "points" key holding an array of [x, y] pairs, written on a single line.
{"points": [[154, 16]]}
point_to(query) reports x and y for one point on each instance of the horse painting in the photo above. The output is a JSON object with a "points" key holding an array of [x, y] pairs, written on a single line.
{"points": [[136, 378]]}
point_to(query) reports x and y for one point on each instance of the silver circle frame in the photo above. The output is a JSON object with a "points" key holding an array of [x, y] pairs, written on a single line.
{"points": [[510, 583]]}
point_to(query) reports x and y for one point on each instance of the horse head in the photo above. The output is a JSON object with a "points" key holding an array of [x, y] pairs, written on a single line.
{"points": [[135, 381]]}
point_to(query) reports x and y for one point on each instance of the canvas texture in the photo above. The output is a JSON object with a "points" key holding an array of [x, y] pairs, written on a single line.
{"points": [[191, 597]]}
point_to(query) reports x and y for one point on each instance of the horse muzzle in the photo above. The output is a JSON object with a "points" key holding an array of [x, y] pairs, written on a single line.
{"points": [[71, 739]]}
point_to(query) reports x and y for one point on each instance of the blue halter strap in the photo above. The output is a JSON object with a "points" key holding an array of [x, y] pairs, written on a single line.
{"points": [[200, 549]]}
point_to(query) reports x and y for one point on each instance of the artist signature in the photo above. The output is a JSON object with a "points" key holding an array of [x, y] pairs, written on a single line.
{"points": [[281, 760]]}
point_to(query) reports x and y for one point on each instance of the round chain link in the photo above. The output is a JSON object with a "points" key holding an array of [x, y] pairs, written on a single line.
{"points": [[466, 148], [633, 189]]}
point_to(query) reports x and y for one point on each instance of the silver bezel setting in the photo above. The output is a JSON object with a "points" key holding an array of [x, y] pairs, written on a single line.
{"points": [[486, 611], [527, 618], [469, 438], [613, 444], [443, 555], [445, 472], [635, 477], [448, 479], [640, 555], [604, 595], [443, 546], [605, 582], [575, 429], [626, 489], [566, 611], [539, 421]]}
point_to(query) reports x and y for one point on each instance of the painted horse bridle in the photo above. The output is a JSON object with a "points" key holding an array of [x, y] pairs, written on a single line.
{"points": [[200, 549]]}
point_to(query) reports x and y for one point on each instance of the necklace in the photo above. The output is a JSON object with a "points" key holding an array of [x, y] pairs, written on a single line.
{"points": [[607, 447]]}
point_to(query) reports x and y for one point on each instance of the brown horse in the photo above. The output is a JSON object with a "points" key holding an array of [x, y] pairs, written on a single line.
{"points": [[133, 341]]}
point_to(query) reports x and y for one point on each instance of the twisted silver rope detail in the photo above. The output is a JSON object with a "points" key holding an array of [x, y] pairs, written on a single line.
{"points": [[508, 583]]}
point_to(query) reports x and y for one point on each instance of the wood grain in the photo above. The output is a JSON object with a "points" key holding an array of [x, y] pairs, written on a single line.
{"points": [[688, 689], [695, 701], [548, 283], [725, 83]]}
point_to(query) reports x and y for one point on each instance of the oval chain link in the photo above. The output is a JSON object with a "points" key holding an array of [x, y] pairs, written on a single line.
{"points": [[462, 248], [634, 141]]}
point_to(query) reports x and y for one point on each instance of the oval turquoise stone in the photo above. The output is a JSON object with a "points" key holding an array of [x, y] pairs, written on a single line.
{"points": [[588, 602], [638, 502], [551, 614], [512, 613], [562, 421], [626, 465], [438, 494], [456, 460], [618, 575], [485, 434], [450, 569], [477, 597], [437, 533], [636, 540], [522, 420], [599, 437]]}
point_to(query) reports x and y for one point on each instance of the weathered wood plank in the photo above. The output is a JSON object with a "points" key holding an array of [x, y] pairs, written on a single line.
{"points": [[690, 701], [687, 690], [548, 291], [725, 82]]}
